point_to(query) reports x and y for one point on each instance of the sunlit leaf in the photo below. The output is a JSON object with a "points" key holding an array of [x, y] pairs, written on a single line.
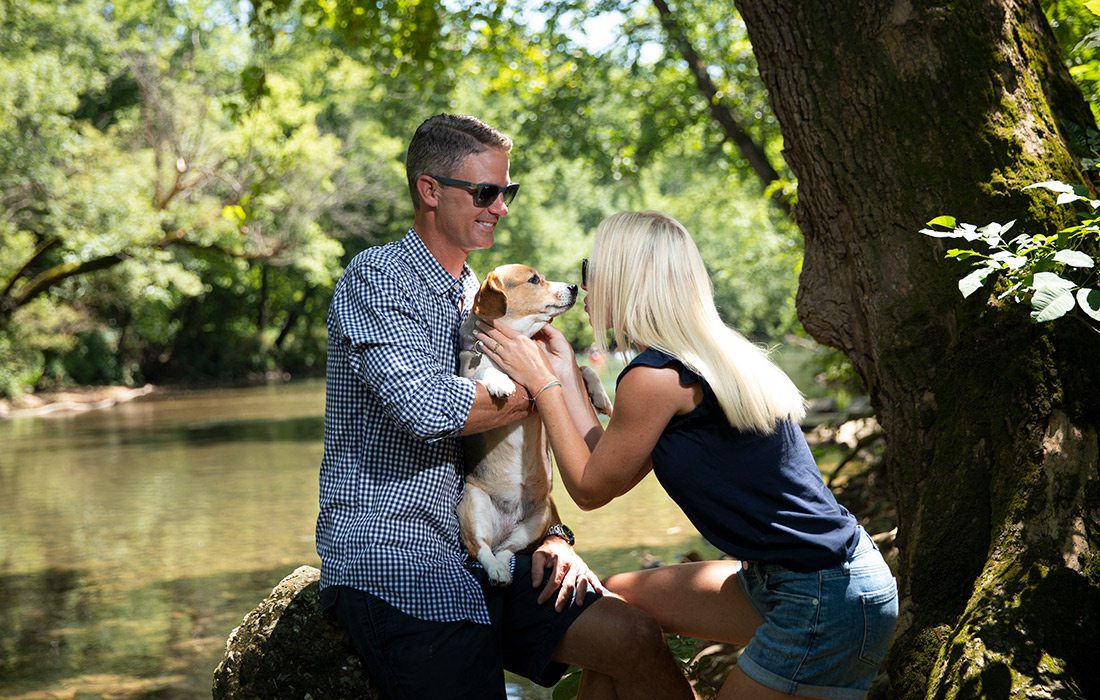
{"points": [[937, 233], [1049, 280], [1052, 185], [1049, 304], [1074, 258], [945, 220], [1009, 260], [974, 281], [1053, 297], [963, 254], [1089, 301]]}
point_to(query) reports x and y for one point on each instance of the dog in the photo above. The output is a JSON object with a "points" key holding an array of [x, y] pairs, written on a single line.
{"points": [[507, 505]]}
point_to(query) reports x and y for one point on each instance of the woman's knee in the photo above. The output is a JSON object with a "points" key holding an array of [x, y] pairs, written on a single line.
{"points": [[623, 584]]}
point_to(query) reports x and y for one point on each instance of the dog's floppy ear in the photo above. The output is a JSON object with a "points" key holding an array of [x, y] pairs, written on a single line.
{"points": [[490, 301]]}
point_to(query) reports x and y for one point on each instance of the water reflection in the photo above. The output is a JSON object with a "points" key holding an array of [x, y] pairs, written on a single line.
{"points": [[133, 540]]}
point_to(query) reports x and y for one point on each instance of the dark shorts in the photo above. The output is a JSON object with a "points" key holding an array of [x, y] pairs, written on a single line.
{"points": [[412, 658]]}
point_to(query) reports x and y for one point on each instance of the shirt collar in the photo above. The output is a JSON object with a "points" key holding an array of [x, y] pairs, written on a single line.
{"points": [[435, 276]]}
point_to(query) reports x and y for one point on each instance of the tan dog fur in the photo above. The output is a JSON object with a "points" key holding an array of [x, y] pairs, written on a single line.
{"points": [[507, 504]]}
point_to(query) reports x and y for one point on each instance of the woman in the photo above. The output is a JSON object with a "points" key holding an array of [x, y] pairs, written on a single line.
{"points": [[708, 412]]}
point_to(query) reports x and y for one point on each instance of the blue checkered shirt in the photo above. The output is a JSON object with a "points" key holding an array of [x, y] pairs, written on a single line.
{"points": [[392, 470]]}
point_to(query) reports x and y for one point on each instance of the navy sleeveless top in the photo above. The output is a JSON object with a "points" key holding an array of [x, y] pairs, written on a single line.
{"points": [[756, 497]]}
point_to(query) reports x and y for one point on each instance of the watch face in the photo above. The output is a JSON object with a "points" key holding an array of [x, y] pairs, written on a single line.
{"points": [[562, 531]]}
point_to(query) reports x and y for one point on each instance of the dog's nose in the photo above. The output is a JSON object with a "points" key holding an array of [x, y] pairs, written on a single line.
{"points": [[573, 289]]}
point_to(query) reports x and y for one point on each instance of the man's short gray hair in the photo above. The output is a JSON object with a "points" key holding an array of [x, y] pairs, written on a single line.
{"points": [[442, 142]]}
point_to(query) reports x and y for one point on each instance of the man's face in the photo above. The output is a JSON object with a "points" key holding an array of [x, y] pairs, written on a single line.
{"points": [[468, 226]]}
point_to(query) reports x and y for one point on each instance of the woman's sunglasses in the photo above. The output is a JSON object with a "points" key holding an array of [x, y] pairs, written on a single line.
{"points": [[485, 193], [584, 273]]}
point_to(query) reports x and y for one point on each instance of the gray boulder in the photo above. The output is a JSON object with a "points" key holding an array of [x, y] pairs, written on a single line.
{"points": [[286, 648]]}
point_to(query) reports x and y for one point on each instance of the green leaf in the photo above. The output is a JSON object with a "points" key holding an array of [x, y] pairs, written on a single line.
{"points": [[937, 233], [1049, 280], [234, 213], [1089, 300], [1093, 6], [948, 221], [1074, 258], [963, 254], [969, 232], [568, 687], [1009, 260], [1053, 297], [973, 282], [1052, 185], [1067, 197]]}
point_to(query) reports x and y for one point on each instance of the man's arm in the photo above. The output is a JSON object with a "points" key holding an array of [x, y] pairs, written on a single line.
{"points": [[489, 412], [381, 328]]}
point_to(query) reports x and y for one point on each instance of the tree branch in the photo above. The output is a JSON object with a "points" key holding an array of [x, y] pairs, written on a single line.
{"points": [[54, 275], [751, 151], [43, 248], [863, 443]]}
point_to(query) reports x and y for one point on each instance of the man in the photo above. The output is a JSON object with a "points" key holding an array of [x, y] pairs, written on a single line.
{"points": [[419, 610]]}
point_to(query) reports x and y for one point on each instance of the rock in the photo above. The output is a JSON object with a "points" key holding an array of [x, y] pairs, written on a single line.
{"points": [[286, 648]]}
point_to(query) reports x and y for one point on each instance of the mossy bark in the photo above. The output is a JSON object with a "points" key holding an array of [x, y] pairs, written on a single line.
{"points": [[894, 112]]}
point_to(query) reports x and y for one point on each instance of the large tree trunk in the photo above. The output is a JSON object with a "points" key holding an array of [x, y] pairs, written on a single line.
{"points": [[893, 112]]}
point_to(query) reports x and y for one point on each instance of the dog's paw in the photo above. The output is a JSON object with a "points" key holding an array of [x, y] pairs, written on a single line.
{"points": [[596, 393], [498, 383], [499, 569]]}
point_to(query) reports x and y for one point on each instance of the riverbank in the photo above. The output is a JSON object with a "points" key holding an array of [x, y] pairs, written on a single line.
{"points": [[71, 400]]}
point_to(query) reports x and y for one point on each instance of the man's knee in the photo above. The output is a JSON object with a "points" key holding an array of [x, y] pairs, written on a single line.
{"points": [[635, 633], [644, 634]]}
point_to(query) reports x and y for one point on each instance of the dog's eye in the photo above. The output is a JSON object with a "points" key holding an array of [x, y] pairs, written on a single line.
{"points": [[534, 279]]}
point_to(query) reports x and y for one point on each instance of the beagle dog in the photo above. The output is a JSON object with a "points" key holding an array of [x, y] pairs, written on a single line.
{"points": [[507, 505]]}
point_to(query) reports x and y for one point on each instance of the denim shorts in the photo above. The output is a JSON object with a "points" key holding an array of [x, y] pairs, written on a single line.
{"points": [[826, 632]]}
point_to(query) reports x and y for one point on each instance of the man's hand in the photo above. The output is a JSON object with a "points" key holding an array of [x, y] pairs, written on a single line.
{"points": [[569, 573]]}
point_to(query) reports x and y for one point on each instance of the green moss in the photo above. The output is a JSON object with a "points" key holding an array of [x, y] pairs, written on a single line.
{"points": [[1051, 665], [913, 660], [1030, 628]]}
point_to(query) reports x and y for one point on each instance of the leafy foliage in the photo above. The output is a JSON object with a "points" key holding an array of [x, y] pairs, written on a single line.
{"points": [[182, 182], [1055, 274]]}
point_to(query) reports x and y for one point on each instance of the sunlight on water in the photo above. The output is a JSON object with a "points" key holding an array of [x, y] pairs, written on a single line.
{"points": [[133, 540]]}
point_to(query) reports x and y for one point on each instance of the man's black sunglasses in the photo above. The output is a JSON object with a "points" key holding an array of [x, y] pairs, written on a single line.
{"points": [[485, 193]]}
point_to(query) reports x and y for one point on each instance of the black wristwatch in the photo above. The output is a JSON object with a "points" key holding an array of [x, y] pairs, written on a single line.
{"points": [[563, 532]]}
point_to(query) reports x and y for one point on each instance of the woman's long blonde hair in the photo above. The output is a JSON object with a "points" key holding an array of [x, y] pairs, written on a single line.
{"points": [[648, 284]]}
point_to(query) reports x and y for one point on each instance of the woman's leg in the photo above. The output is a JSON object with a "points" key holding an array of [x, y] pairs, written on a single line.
{"points": [[738, 686], [704, 600], [699, 599]]}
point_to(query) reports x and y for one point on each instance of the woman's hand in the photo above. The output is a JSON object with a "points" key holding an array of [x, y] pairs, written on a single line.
{"points": [[558, 351], [516, 355]]}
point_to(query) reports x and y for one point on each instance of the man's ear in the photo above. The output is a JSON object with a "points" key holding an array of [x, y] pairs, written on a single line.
{"points": [[428, 190], [490, 301]]}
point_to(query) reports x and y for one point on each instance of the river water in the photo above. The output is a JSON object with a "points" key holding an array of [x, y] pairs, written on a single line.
{"points": [[134, 539]]}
